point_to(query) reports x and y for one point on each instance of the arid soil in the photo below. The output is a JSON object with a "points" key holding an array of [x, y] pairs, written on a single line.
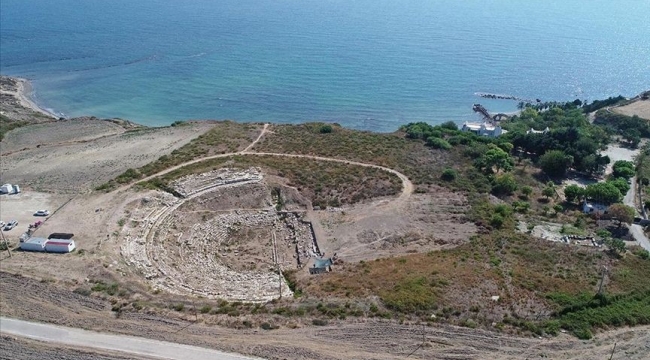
{"points": [[641, 108], [369, 231], [55, 133], [24, 298], [212, 242], [18, 348], [77, 166]]}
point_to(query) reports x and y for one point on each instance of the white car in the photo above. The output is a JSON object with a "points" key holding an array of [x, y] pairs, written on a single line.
{"points": [[42, 213], [12, 224]]}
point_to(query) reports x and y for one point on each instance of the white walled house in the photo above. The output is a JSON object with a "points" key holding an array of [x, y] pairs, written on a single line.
{"points": [[594, 208], [483, 129]]}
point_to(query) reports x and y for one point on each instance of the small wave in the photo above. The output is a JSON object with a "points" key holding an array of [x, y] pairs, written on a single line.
{"points": [[132, 62], [196, 55]]}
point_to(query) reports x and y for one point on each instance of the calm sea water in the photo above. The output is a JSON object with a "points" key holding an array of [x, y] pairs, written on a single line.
{"points": [[367, 64]]}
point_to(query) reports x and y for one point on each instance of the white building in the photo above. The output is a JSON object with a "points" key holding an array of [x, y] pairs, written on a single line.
{"points": [[533, 131], [33, 244], [483, 129], [59, 245], [594, 208]]}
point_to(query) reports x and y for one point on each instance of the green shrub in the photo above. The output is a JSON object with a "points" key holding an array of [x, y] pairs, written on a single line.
{"points": [[82, 291], [179, 307], [504, 184], [438, 143], [643, 254], [319, 322], [448, 174], [497, 221], [325, 129], [411, 295], [205, 309]]}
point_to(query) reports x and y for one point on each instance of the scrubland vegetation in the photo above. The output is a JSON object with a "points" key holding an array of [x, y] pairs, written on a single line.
{"points": [[502, 278]]}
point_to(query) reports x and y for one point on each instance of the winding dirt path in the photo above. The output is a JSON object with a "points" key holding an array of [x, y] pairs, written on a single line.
{"points": [[407, 185], [265, 129]]}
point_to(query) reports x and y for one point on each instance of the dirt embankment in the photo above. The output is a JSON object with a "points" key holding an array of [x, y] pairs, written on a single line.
{"points": [[368, 339], [18, 348]]}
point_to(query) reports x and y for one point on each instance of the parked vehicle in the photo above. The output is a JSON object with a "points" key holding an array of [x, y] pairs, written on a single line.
{"points": [[12, 224], [35, 225], [42, 213]]}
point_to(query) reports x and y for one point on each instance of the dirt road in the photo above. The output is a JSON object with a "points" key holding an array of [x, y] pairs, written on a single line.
{"points": [[123, 343], [407, 186]]}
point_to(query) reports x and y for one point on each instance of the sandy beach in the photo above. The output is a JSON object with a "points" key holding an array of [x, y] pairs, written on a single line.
{"points": [[22, 92]]}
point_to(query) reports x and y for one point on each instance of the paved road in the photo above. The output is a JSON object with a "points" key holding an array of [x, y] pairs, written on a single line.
{"points": [[639, 236], [128, 344], [629, 197], [635, 230]]}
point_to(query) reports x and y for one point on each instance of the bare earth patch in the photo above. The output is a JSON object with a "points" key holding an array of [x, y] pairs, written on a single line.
{"points": [[58, 133], [641, 108], [79, 166], [427, 222]]}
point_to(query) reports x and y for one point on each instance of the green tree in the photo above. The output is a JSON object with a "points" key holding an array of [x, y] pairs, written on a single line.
{"points": [[526, 191], [622, 213], [623, 169], [574, 192], [616, 245], [633, 137], [557, 208], [555, 163], [603, 192], [505, 184], [495, 158], [549, 190], [621, 184], [450, 125]]}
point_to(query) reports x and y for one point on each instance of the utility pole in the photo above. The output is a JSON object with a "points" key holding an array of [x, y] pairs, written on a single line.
{"points": [[602, 280], [5, 241], [612, 355]]}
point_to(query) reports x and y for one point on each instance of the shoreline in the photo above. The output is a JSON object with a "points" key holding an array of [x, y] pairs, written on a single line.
{"points": [[22, 95], [23, 89]]}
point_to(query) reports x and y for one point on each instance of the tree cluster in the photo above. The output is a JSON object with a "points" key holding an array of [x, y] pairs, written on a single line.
{"points": [[623, 169], [574, 141], [604, 192], [631, 128]]}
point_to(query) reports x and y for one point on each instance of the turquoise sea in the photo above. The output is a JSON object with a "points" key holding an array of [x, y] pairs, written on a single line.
{"points": [[367, 64]]}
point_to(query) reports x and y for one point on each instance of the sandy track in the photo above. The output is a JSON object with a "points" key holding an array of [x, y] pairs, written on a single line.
{"points": [[407, 185]]}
